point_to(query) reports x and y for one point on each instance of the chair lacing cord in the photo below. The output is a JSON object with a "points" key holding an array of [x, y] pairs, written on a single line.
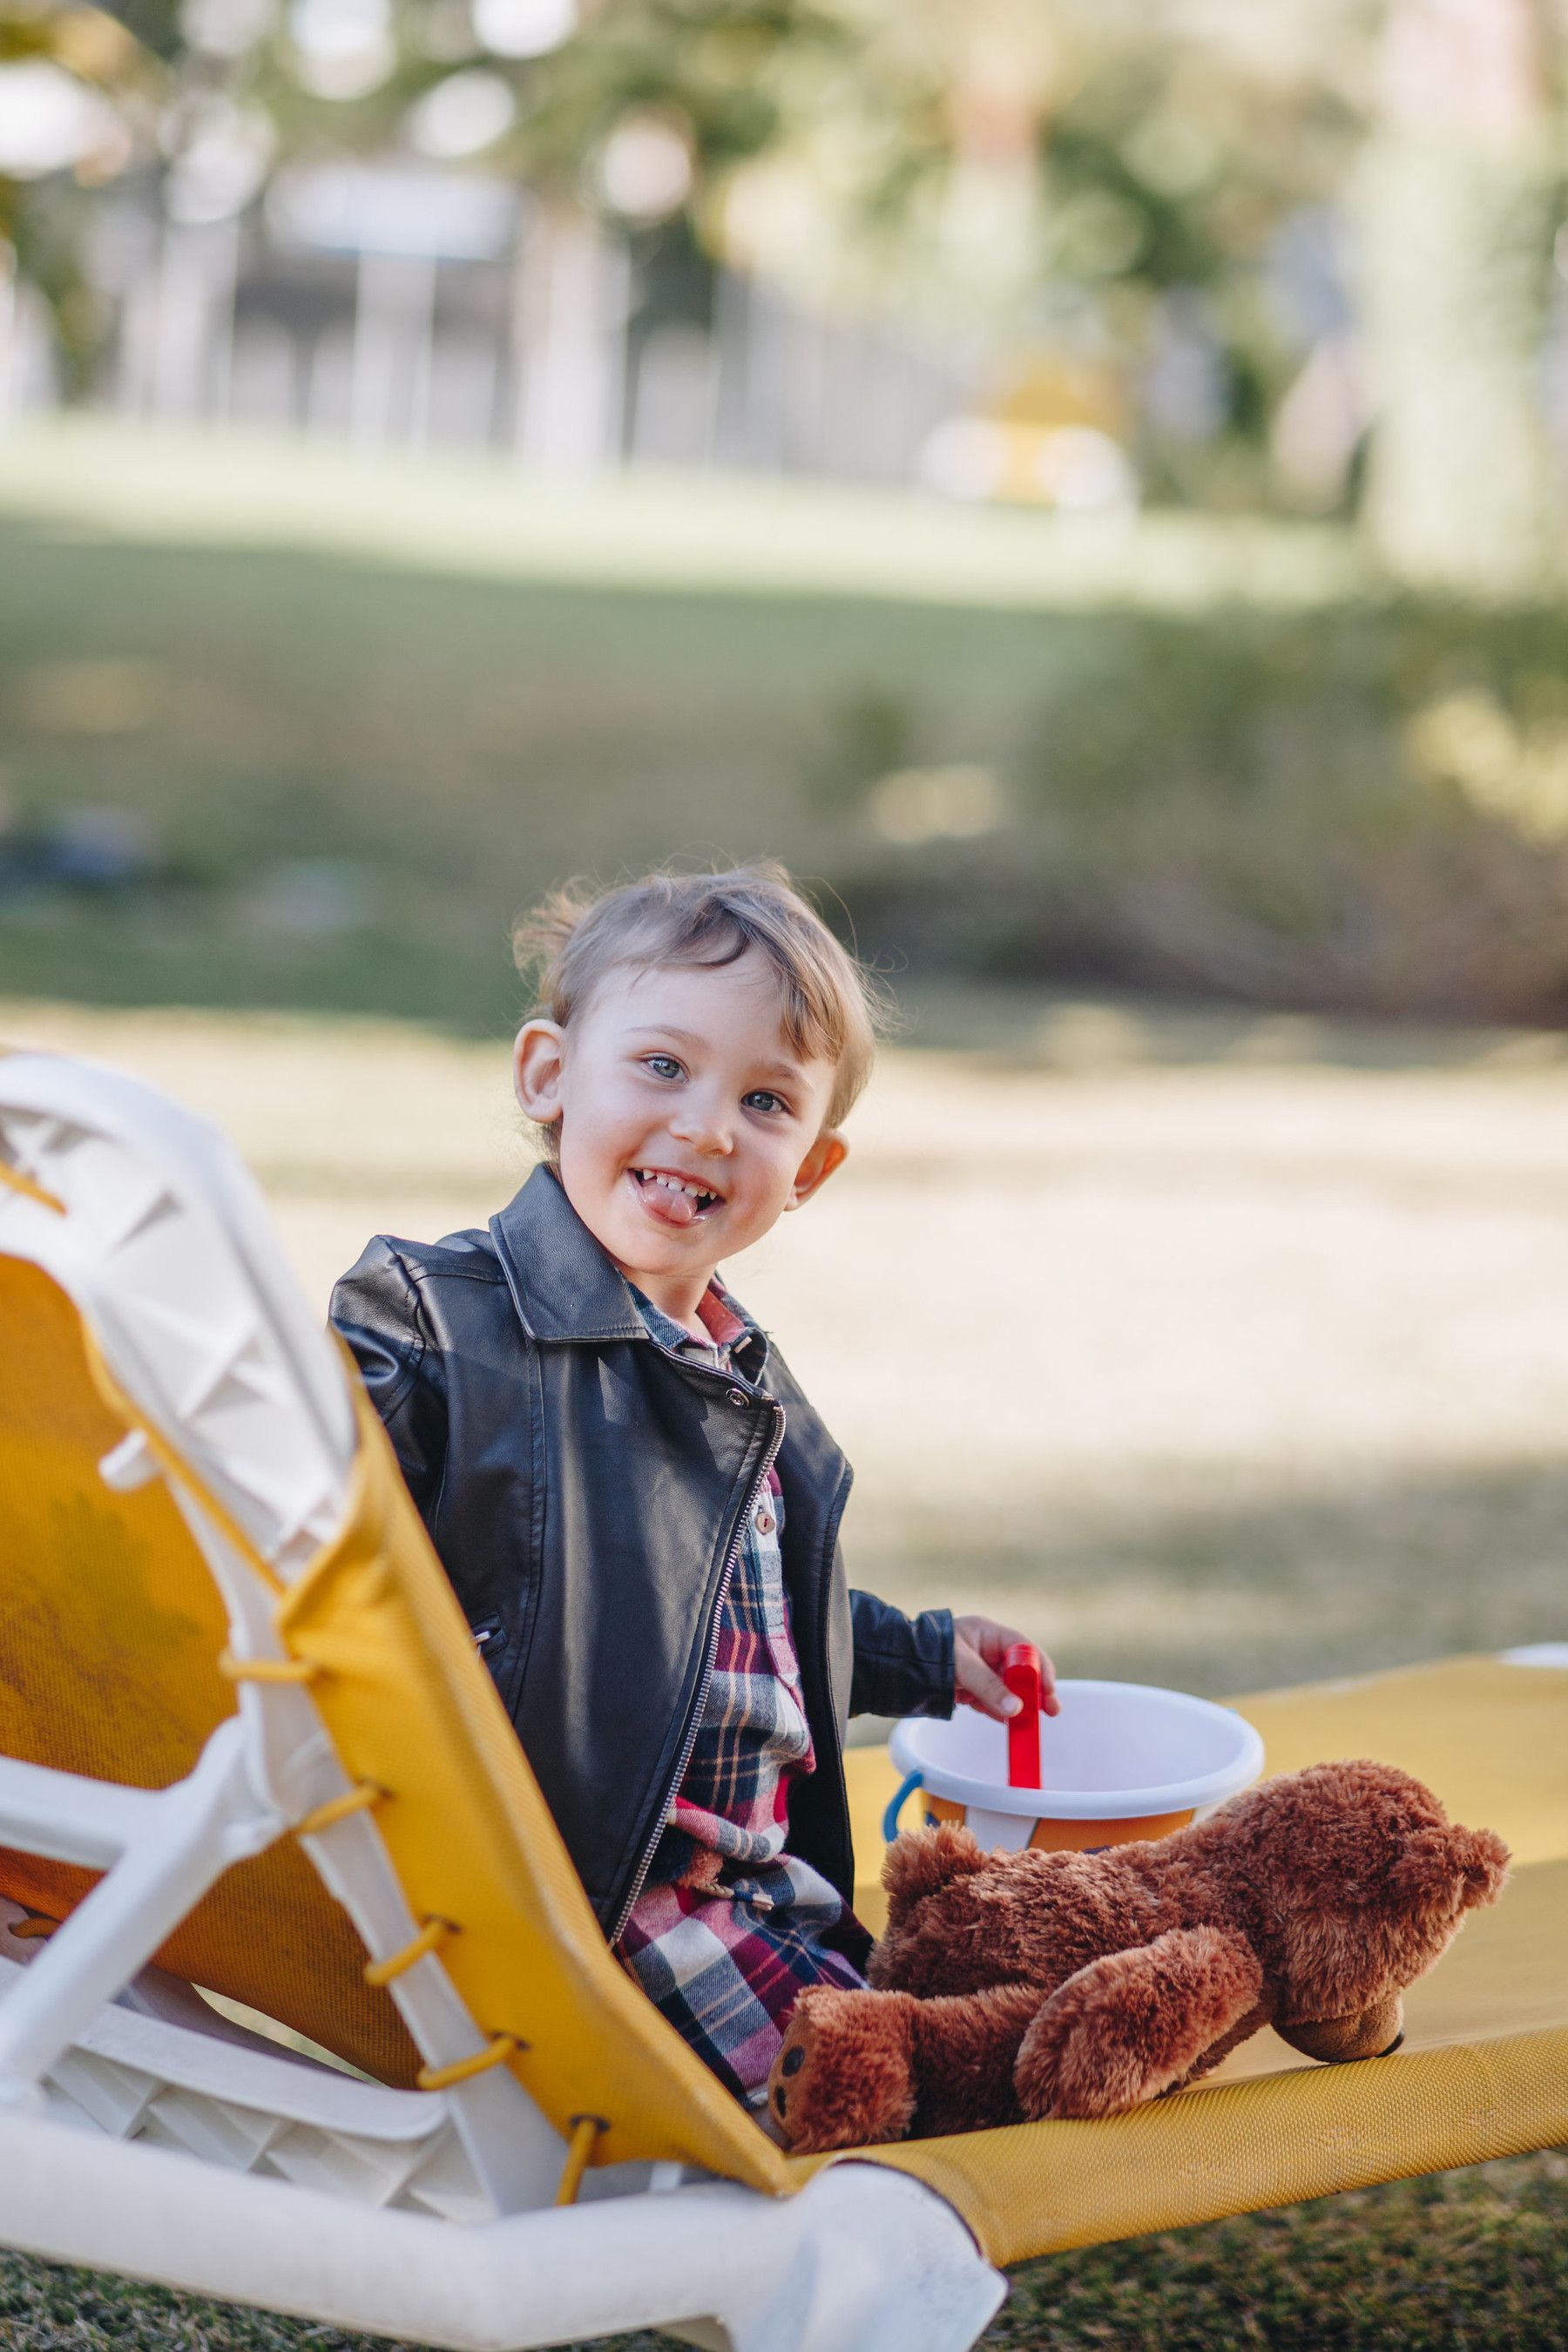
{"points": [[585, 2130], [268, 1670], [25, 1930], [442, 2078], [433, 1934], [337, 1809]]}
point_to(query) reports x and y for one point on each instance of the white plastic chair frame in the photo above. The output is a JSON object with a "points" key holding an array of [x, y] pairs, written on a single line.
{"points": [[147, 1220]]}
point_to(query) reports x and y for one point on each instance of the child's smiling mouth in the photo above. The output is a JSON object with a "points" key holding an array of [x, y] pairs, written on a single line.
{"points": [[673, 1199]]}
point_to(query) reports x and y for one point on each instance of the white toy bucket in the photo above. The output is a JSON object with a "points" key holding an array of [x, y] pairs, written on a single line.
{"points": [[1122, 1761]]}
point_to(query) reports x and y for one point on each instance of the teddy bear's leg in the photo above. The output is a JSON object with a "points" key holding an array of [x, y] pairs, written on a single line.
{"points": [[856, 2068], [1134, 2024], [966, 2050]]}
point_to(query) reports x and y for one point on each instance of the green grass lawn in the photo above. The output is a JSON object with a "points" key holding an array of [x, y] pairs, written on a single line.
{"points": [[359, 713], [452, 746], [1466, 2262]]}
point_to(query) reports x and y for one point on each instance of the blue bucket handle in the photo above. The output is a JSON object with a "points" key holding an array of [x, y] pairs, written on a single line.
{"points": [[890, 1818]]}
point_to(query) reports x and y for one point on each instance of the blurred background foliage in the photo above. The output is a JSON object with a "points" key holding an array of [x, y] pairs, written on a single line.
{"points": [[1263, 261], [249, 777], [1047, 181]]}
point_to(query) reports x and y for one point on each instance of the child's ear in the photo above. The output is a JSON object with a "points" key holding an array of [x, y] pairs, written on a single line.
{"points": [[828, 1152], [537, 1062]]}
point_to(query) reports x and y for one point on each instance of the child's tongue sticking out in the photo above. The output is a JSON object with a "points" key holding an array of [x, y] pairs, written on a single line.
{"points": [[676, 1208]]}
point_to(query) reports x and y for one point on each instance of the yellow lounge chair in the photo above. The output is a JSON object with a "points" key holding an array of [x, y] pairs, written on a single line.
{"points": [[245, 1744]]}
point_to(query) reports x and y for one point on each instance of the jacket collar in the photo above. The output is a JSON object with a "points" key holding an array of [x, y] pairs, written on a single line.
{"points": [[564, 1286]]}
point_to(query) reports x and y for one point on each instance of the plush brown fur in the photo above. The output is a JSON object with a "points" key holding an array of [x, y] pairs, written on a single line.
{"points": [[1017, 1985]]}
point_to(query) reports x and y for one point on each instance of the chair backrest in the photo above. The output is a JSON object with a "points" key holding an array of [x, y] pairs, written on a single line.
{"points": [[111, 1628]]}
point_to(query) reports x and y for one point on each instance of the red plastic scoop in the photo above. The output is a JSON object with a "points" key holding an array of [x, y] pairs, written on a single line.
{"points": [[1022, 1671]]}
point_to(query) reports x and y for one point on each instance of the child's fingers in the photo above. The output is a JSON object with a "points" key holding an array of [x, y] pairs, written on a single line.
{"points": [[1049, 1703], [983, 1633], [978, 1686], [986, 1642]]}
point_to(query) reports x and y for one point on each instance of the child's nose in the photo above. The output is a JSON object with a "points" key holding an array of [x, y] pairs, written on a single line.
{"points": [[704, 1127]]}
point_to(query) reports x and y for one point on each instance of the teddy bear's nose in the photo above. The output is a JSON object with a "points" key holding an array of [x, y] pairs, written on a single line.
{"points": [[793, 2060]]}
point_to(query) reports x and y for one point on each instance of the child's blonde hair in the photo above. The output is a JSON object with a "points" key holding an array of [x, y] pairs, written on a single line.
{"points": [[830, 1005]]}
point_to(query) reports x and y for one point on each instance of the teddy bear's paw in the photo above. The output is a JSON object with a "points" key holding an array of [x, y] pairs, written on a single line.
{"points": [[842, 2076], [1130, 2026]]}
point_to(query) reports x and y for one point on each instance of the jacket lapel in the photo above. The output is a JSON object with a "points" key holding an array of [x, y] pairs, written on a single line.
{"points": [[562, 1284]]}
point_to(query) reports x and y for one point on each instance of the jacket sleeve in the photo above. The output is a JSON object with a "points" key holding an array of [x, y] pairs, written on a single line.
{"points": [[904, 1666], [376, 1310]]}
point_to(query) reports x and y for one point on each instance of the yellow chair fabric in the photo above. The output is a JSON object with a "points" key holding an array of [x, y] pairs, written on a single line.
{"points": [[1035, 2188], [1492, 1740], [111, 1628], [110, 1631]]}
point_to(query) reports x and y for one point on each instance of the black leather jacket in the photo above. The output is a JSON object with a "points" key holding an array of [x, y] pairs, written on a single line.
{"points": [[586, 1489]]}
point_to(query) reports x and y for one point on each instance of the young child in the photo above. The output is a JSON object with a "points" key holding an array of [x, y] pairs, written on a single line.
{"points": [[635, 1502]]}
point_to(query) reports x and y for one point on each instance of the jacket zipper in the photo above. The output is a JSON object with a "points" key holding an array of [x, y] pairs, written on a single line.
{"points": [[703, 1687], [824, 1578]]}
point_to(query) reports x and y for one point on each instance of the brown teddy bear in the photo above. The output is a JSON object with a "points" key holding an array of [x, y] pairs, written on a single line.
{"points": [[1018, 1985]]}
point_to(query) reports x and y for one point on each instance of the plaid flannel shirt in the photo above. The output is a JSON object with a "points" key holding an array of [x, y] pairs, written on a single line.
{"points": [[730, 1929]]}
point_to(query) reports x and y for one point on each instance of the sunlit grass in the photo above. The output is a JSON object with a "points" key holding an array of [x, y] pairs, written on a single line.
{"points": [[483, 518]]}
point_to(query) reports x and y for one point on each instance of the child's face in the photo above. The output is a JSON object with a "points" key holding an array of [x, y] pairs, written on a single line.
{"points": [[688, 1122]]}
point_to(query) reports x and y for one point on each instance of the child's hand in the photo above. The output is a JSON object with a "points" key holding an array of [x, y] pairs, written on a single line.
{"points": [[979, 1644]]}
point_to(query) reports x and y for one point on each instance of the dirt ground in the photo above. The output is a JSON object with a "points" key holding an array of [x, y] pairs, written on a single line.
{"points": [[1221, 1351]]}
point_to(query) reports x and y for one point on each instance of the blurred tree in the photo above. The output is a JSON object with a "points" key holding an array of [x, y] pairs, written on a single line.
{"points": [[633, 109], [1171, 171], [81, 91], [1459, 195], [1102, 182], [1096, 186]]}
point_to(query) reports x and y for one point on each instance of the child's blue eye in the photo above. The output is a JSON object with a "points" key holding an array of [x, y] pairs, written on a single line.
{"points": [[762, 1101], [663, 1065]]}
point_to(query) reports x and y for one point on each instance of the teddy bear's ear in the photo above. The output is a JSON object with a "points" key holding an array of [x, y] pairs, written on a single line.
{"points": [[922, 1860], [1440, 1863], [1484, 1859]]}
